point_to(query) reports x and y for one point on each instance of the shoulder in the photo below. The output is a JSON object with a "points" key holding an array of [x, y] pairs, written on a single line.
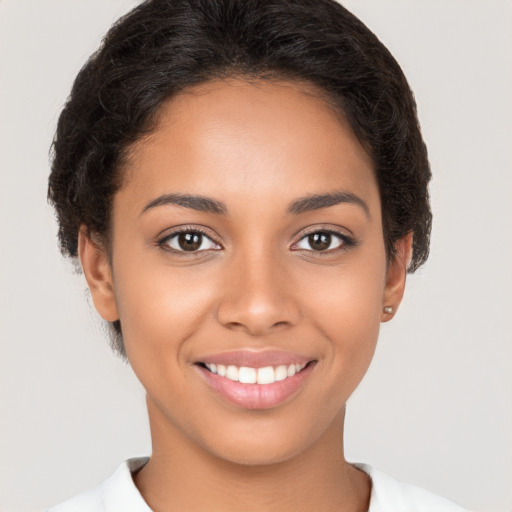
{"points": [[115, 494], [391, 495]]}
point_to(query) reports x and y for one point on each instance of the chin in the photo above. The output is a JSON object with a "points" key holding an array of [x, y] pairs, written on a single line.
{"points": [[256, 455], [262, 443]]}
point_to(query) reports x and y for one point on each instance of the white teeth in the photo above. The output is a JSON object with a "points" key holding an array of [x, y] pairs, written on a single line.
{"points": [[232, 373], [266, 375], [247, 375], [281, 372]]}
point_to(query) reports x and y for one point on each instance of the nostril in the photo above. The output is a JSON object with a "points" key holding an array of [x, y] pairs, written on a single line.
{"points": [[236, 326]]}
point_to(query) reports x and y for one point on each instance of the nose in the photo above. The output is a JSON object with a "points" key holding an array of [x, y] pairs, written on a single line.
{"points": [[259, 296]]}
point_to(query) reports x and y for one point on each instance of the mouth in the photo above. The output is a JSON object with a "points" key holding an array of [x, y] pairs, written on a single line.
{"points": [[263, 376], [253, 380]]}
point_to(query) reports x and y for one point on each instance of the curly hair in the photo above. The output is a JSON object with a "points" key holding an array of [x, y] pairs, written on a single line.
{"points": [[164, 46]]}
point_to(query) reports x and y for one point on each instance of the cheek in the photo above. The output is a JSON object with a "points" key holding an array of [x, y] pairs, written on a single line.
{"points": [[346, 307], [349, 296], [160, 307], [161, 310]]}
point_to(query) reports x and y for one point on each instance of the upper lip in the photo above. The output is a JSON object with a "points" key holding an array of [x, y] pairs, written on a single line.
{"points": [[256, 359]]}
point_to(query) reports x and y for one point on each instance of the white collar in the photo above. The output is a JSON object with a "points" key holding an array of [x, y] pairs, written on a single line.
{"points": [[119, 493]]}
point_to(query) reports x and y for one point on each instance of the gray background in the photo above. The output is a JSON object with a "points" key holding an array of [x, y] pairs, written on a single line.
{"points": [[435, 408]]}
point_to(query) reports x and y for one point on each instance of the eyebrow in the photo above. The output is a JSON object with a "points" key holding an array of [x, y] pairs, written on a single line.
{"points": [[199, 203], [302, 205], [318, 201]]}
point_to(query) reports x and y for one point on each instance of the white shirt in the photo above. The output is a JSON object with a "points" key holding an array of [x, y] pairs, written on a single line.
{"points": [[119, 494]]}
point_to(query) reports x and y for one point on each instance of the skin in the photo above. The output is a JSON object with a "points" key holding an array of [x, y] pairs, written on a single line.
{"points": [[256, 147]]}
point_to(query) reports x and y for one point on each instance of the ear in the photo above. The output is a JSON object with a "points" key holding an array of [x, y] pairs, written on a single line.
{"points": [[396, 277], [98, 274]]}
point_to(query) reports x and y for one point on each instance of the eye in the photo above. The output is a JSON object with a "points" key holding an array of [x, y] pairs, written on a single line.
{"points": [[322, 241], [188, 241]]}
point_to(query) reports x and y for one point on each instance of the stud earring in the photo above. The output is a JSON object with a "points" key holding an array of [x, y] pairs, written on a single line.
{"points": [[388, 310]]}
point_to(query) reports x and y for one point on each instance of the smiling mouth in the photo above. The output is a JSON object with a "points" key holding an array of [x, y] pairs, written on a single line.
{"points": [[252, 379], [248, 375]]}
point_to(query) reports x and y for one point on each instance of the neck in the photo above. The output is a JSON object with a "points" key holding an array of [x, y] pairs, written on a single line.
{"points": [[183, 476]]}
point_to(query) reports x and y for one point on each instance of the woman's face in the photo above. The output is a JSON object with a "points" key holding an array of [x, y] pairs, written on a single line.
{"points": [[247, 234]]}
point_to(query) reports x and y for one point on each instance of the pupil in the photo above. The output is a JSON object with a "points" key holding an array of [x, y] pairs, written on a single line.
{"points": [[320, 241], [190, 241]]}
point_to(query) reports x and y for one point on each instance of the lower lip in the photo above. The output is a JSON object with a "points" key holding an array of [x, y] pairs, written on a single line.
{"points": [[256, 396]]}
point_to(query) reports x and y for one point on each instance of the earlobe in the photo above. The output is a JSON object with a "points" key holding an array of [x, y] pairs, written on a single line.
{"points": [[396, 277], [98, 274]]}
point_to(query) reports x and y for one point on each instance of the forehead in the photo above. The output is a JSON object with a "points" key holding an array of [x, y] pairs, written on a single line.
{"points": [[229, 137]]}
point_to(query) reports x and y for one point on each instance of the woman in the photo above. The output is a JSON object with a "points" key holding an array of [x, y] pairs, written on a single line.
{"points": [[245, 186]]}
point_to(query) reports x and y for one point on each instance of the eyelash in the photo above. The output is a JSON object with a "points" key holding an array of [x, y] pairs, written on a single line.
{"points": [[346, 242], [163, 242]]}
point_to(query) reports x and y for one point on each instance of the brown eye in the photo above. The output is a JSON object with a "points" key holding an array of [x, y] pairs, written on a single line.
{"points": [[323, 241], [189, 241], [320, 241]]}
